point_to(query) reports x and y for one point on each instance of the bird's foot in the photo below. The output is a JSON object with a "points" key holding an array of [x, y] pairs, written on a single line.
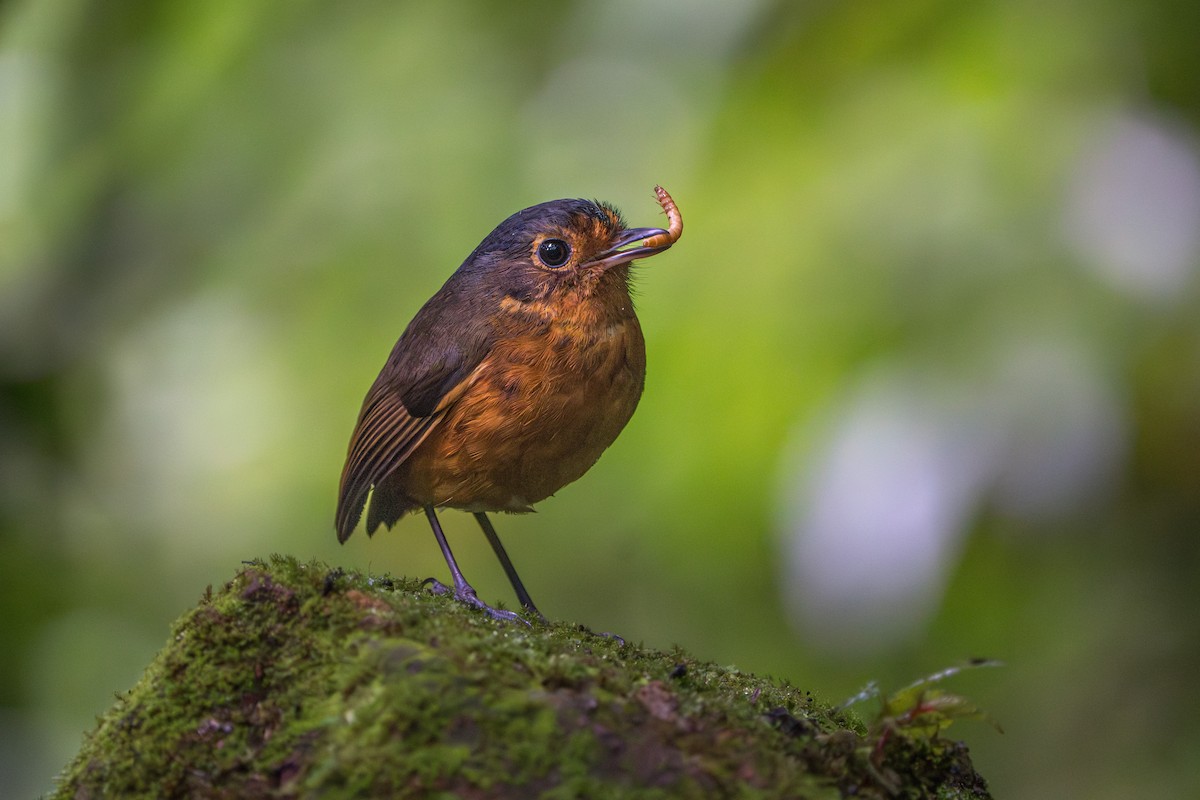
{"points": [[466, 594]]}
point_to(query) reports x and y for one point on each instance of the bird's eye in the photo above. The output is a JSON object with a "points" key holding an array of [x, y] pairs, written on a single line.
{"points": [[553, 252]]}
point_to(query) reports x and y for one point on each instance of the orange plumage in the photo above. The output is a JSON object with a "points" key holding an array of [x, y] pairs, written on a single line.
{"points": [[511, 381]]}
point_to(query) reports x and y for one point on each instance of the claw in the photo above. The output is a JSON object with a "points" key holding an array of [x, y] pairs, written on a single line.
{"points": [[436, 586], [466, 595]]}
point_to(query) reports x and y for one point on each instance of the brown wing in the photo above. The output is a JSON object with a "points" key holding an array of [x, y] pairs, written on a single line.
{"points": [[385, 436], [430, 367]]}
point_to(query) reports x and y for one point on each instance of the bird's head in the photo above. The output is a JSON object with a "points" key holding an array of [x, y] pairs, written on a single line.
{"points": [[559, 249]]}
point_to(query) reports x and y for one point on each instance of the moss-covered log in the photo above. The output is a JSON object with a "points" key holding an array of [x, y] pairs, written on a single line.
{"points": [[300, 681]]}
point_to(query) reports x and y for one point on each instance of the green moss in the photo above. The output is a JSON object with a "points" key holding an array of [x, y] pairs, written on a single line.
{"points": [[298, 681]]}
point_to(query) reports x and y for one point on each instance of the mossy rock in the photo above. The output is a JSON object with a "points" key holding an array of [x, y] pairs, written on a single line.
{"points": [[300, 681]]}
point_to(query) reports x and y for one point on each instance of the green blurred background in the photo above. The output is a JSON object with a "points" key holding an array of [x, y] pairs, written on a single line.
{"points": [[924, 373]]}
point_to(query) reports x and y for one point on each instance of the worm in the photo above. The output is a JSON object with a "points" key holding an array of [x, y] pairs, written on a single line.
{"points": [[674, 221]]}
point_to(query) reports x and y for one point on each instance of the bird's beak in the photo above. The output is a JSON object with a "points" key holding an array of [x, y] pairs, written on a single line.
{"points": [[615, 256]]}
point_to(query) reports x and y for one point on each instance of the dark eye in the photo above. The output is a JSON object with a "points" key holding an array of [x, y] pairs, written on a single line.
{"points": [[554, 252]]}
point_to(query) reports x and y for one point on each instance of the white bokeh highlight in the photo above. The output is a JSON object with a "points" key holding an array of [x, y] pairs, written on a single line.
{"points": [[198, 425], [875, 508], [871, 515], [1132, 214]]}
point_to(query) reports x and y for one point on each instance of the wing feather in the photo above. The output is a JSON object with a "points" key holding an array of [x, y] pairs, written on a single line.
{"points": [[433, 363], [386, 435]]}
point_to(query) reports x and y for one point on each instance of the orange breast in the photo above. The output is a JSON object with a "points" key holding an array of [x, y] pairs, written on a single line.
{"points": [[545, 404]]}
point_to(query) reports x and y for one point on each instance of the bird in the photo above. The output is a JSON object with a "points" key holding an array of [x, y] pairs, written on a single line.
{"points": [[509, 383]]}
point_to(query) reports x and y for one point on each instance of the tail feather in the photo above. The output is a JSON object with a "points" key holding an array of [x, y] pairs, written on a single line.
{"points": [[387, 506]]}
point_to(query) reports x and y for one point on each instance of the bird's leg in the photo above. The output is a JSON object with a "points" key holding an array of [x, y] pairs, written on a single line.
{"points": [[494, 540], [462, 591]]}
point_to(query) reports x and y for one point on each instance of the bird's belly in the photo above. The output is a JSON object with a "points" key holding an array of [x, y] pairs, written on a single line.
{"points": [[539, 416]]}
